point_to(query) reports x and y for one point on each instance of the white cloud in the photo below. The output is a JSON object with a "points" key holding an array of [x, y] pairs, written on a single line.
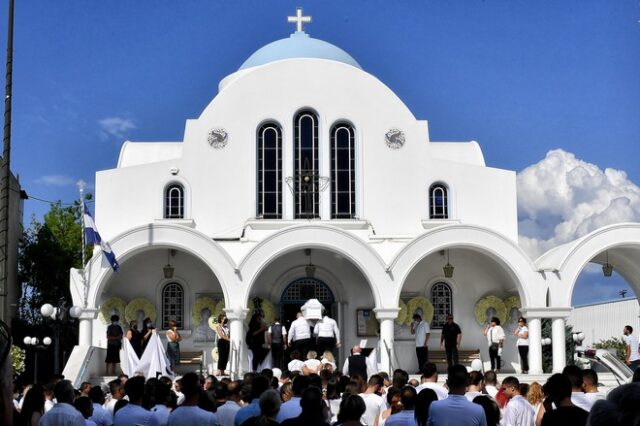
{"points": [[562, 198], [55, 180], [115, 127]]}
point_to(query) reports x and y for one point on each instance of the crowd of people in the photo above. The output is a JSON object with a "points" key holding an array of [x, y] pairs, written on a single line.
{"points": [[318, 394]]}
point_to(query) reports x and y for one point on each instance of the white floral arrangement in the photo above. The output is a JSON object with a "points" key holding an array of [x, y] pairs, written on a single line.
{"points": [[139, 304], [267, 308], [218, 310], [108, 307], [214, 354], [402, 313], [511, 303], [201, 304], [485, 304], [18, 357], [419, 303]]}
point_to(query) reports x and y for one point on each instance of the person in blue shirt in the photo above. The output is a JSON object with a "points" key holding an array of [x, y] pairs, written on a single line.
{"points": [[407, 416], [258, 386], [189, 413], [292, 407], [456, 410]]}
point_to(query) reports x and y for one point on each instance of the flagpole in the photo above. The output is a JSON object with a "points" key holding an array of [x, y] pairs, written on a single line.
{"points": [[81, 185]]}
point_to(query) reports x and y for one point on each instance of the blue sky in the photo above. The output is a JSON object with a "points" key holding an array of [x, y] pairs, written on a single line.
{"points": [[523, 78]]}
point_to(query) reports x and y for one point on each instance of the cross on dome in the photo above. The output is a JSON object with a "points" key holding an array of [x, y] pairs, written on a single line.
{"points": [[299, 19]]}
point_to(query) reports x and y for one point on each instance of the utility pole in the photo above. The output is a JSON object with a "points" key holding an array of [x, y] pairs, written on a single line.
{"points": [[6, 176]]}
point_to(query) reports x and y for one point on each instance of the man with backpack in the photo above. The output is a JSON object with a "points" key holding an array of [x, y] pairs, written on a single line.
{"points": [[277, 335]]}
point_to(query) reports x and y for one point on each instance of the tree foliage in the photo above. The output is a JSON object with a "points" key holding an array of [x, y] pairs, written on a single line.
{"points": [[616, 343], [47, 252]]}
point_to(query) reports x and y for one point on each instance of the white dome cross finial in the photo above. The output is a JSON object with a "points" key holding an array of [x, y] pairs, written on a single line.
{"points": [[299, 19]]}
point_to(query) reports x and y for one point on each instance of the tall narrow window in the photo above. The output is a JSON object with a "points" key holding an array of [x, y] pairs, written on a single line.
{"points": [[442, 303], [438, 202], [269, 172], [172, 305], [343, 173], [174, 202], [306, 190]]}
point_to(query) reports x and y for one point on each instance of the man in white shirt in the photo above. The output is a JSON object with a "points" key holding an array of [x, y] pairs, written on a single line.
{"points": [[429, 380], [300, 335], [590, 386], [133, 414], [476, 384], [574, 374], [116, 389], [632, 355], [63, 413], [189, 413], [518, 411], [373, 401], [327, 335], [422, 332]]}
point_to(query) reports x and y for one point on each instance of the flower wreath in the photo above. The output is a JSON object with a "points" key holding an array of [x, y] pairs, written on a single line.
{"points": [[107, 308], [422, 303], [484, 304], [511, 303], [402, 313], [267, 308], [139, 304], [216, 312], [201, 304], [214, 354]]}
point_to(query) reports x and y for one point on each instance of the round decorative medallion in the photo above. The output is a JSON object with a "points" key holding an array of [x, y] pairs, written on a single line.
{"points": [[394, 138], [218, 138]]}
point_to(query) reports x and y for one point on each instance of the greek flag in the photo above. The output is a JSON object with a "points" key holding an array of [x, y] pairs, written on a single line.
{"points": [[93, 237]]}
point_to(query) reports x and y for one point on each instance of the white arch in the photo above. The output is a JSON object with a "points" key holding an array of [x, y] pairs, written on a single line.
{"points": [[506, 252], [315, 236], [153, 236], [570, 259]]}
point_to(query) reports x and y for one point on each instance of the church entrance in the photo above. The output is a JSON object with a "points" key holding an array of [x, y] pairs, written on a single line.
{"points": [[298, 292]]}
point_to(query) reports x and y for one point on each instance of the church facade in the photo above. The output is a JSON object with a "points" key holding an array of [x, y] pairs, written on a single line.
{"points": [[307, 177]]}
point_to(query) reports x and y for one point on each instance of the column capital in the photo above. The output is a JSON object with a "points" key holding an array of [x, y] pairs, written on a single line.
{"points": [[386, 313], [236, 313], [544, 312]]}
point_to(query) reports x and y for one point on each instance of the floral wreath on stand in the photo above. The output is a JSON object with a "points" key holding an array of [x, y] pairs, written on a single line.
{"points": [[402, 313], [139, 304], [263, 306], [107, 308], [511, 303], [490, 302], [213, 319], [201, 304], [419, 303]]}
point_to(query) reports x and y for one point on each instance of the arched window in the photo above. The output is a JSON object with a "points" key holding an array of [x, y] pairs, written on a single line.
{"points": [[172, 305], [306, 178], [438, 202], [269, 172], [174, 202], [442, 303], [343, 172]]}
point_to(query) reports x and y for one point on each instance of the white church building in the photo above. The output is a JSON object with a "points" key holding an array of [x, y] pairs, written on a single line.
{"points": [[307, 177]]}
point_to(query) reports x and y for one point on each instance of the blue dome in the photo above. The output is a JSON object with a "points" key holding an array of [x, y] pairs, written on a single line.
{"points": [[298, 45]]}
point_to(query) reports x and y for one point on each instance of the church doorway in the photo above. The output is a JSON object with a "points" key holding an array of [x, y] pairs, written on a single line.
{"points": [[298, 292]]}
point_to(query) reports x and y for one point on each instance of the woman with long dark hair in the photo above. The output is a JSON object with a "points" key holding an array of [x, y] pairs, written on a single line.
{"points": [[222, 331], [255, 339], [33, 407], [423, 401]]}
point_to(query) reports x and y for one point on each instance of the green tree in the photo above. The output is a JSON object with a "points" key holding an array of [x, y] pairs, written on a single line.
{"points": [[615, 343], [547, 351], [48, 251]]}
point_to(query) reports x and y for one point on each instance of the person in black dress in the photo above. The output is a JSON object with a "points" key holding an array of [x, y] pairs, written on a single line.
{"points": [[147, 329], [114, 343], [135, 338], [255, 339]]}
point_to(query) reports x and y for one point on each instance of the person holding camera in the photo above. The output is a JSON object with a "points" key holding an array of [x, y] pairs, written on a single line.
{"points": [[224, 343], [495, 339]]}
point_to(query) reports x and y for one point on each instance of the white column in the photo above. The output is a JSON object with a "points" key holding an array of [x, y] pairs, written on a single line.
{"points": [[558, 344], [85, 327], [386, 316], [535, 345], [238, 352]]}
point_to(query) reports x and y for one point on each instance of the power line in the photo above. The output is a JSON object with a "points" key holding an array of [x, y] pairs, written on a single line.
{"points": [[24, 196]]}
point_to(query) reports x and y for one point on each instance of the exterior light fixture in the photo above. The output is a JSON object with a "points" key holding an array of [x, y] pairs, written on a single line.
{"points": [[448, 268], [310, 269], [168, 269], [607, 268]]}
